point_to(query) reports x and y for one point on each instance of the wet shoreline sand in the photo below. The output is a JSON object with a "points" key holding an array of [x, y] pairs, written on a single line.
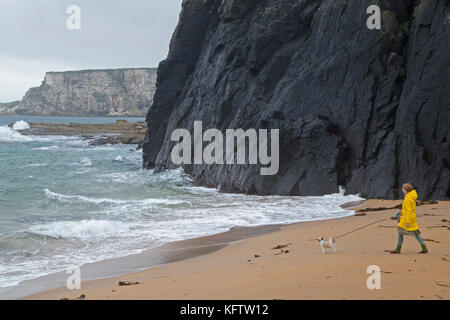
{"points": [[252, 269], [158, 256]]}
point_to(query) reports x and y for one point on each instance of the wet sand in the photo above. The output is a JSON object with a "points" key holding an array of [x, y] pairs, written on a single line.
{"points": [[168, 253], [252, 269]]}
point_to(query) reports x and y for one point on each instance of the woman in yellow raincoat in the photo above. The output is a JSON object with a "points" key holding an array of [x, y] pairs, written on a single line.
{"points": [[407, 225]]}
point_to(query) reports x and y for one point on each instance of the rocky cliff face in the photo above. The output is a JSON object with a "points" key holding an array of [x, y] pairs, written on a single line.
{"points": [[125, 92], [364, 109], [8, 107]]}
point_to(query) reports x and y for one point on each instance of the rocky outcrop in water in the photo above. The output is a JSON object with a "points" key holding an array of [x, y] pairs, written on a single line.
{"points": [[115, 92], [120, 131], [364, 109]]}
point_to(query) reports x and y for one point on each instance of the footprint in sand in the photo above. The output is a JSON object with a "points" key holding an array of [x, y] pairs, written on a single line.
{"points": [[282, 251], [281, 246], [431, 240], [127, 283], [443, 284]]}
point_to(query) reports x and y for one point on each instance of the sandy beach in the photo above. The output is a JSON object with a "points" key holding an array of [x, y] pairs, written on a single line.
{"points": [[252, 269]]}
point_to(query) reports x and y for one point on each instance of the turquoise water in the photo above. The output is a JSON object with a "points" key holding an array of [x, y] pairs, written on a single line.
{"points": [[64, 203]]}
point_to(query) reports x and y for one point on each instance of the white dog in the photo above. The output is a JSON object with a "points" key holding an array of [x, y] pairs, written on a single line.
{"points": [[330, 244]]}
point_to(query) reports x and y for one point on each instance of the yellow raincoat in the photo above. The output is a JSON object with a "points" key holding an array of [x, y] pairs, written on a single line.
{"points": [[408, 214]]}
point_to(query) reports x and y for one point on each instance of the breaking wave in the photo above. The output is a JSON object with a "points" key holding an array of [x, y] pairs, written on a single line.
{"points": [[20, 125], [83, 229], [10, 135], [66, 198]]}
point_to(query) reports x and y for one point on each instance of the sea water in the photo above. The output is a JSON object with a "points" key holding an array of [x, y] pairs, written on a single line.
{"points": [[65, 203]]}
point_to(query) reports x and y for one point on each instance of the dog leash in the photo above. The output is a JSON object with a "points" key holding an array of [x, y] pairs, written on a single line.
{"points": [[343, 235]]}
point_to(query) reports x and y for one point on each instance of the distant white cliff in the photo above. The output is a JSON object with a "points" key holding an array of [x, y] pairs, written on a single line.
{"points": [[109, 92]]}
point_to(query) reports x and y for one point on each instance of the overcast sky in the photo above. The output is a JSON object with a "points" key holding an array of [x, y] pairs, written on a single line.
{"points": [[34, 38]]}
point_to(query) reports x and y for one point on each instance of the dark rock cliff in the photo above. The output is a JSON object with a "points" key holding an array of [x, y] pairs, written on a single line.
{"points": [[365, 109]]}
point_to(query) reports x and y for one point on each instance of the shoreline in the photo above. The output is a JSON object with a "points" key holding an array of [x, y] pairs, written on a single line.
{"points": [[251, 269], [162, 255], [168, 253]]}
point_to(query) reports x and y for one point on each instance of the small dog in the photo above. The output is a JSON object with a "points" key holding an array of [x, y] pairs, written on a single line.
{"points": [[330, 244]]}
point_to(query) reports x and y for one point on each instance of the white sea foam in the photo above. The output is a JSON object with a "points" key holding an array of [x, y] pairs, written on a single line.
{"points": [[119, 159], [67, 198], [97, 148], [86, 162], [54, 138], [163, 207], [77, 142], [60, 149], [20, 125], [37, 165], [48, 148], [83, 229], [9, 135]]}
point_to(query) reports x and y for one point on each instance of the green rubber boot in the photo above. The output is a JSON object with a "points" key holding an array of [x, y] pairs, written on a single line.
{"points": [[397, 250], [424, 248]]}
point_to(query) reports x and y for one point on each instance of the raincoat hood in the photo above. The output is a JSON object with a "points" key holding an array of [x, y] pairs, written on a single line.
{"points": [[412, 195]]}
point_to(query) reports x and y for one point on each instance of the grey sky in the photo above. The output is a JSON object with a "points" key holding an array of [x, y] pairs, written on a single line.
{"points": [[114, 34]]}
